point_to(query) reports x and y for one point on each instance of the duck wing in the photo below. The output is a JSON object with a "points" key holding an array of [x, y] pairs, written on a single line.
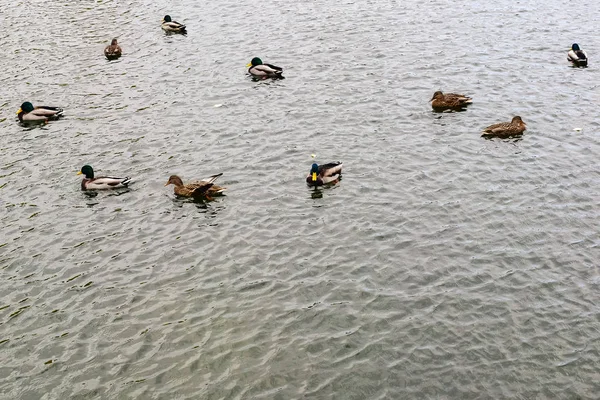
{"points": [[105, 182], [264, 70], [173, 26], [112, 51], [274, 67], [47, 111], [330, 172]]}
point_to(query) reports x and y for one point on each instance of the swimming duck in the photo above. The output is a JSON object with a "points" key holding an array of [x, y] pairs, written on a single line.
{"points": [[577, 56], [172, 26], [505, 129], [102, 182], [113, 51], [449, 101], [324, 174], [29, 113], [262, 70], [198, 190]]}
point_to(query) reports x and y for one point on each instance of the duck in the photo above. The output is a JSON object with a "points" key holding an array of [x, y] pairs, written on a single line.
{"points": [[29, 113], [102, 182], [262, 70], [577, 56], [324, 174], [169, 25], [198, 190], [449, 101], [505, 129], [113, 51]]}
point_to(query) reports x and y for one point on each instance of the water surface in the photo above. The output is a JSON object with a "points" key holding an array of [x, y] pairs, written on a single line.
{"points": [[442, 266]]}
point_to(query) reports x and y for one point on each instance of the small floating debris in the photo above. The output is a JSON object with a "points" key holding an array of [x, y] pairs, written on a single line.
{"points": [[577, 129], [218, 105]]}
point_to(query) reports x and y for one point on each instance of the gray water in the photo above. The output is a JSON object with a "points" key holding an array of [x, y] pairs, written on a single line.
{"points": [[442, 266]]}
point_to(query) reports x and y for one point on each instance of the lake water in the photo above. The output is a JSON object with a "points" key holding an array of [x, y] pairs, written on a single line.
{"points": [[442, 266]]}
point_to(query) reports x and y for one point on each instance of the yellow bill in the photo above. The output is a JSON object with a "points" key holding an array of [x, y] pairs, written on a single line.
{"points": [[314, 177], [79, 173], [249, 65], [20, 111]]}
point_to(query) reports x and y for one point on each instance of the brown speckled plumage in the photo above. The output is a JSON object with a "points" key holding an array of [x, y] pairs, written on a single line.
{"points": [[113, 51], [505, 129], [449, 101], [197, 190]]}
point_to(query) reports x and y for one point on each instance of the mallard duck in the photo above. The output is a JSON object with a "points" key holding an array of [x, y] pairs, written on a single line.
{"points": [[449, 101], [198, 190], [324, 174], [505, 129], [172, 26], [113, 51], [577, 56], [102, 182], [262, 70], [29, 113]]}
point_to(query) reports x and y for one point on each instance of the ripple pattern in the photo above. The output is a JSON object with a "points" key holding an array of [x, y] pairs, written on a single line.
{"points": [[443, 266]]}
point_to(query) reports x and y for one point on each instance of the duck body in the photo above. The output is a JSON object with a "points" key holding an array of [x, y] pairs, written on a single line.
{"points": [[201, 190], [324, 174], [577, 56], [449, 101], [259, 69], [113, 51], [168, 25], [29, 113], [102, 182], [505, 129]]}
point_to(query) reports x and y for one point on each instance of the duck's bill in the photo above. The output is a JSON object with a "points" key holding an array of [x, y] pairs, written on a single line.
{"points": [[79, 173], [167, 184], [20, 111], [249, 65], [314, 177]]}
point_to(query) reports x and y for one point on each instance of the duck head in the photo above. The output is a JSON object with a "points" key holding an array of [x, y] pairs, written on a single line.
{"points": [[114, 42], [575, 47], [174, 180], [437, 95], [167, 18], [88, 171], [25, 107], [517, 120], [255, 61], [314, 172]]}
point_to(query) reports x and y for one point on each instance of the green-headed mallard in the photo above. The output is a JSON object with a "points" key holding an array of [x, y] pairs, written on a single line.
{"points": [[198, 190], [577, 56], [324, 174], [449, 101], [505, 129], [102, 182], [169, 25], [113, 51], [262, 70], [29, 113]]}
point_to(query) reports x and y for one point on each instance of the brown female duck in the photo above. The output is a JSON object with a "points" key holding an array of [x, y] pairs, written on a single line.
{"points": [[449, 101], [505, 129], [198, 190], [113, 51]]}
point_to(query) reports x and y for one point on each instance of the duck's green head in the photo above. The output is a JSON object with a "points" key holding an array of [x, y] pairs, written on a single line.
{"points": [[88, 171], [255, 61], [314, 171], [25, 107], [575, 47], [167, 18]]}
